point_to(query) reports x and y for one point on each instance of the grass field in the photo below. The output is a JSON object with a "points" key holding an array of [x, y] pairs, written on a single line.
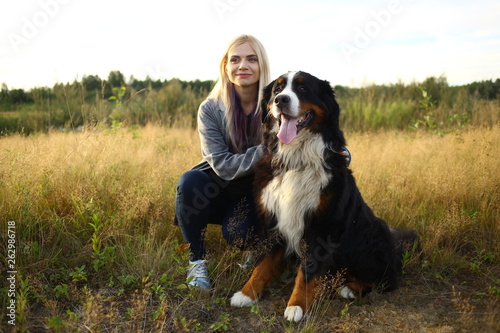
{"points": [[96, 250]]}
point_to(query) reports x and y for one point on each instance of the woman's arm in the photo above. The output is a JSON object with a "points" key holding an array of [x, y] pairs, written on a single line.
{"points": [[215, 147]]}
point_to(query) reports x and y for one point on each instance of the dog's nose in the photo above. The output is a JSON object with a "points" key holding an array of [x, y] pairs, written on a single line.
{"points": [[282, 100]]}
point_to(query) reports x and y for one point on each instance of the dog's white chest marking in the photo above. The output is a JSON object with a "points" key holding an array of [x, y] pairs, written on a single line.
{"points": [[296, 190]]}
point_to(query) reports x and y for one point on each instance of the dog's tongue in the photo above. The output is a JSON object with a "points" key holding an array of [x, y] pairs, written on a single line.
{"points": [[288, 129]]}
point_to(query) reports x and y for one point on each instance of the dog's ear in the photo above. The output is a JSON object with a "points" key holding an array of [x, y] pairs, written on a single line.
{"points": [[328, 96], [333, 114], [264, 102]]}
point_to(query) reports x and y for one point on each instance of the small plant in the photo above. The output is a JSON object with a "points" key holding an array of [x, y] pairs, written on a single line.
{"points": [[495, 290], [101, 257], [117, 116], [167, 280], [221, 326], [344, 313], [107, 256], [458, 120], [408, 255], [55, 323], [96, 240], [429, 121], [220, 301], [119, 94], [22, 304], [61, 290], [185, 325], [130, 313], [471, 213], [73, 316], [158, 289], [481, 257], [254, 308], [78, 274]]}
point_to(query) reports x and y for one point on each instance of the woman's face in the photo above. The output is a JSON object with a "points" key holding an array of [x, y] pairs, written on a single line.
{"points": [[242, 66]]}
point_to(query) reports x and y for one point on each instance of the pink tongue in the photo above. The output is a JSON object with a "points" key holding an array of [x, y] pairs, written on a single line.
{"points": [[288, 130]]}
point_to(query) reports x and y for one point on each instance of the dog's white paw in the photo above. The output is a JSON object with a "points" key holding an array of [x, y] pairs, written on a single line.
{"points": [[240, 300], [347, 293], [294, 313]]}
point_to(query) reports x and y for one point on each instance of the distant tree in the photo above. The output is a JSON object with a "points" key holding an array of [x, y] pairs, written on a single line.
{"points": [[201, 86], [434, 86], [19, 96], [136, 84], [116, 79], [92, 82], [4, 98], [485, 89]]}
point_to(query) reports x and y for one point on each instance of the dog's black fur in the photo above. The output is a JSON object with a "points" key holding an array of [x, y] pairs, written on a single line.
{"points": [[341, 234]]}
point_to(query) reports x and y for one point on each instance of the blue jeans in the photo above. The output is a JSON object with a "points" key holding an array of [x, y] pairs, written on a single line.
{"points": [[201, 200]]}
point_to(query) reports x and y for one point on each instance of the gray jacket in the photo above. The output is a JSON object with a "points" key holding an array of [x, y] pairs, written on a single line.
{"points": [[215, 146]]}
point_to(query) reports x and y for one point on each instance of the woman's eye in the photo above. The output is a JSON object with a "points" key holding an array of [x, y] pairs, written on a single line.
{"points": [[234, 60]]}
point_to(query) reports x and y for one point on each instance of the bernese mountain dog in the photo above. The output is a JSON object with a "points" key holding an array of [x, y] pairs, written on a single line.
{"points": [[309, 204]]}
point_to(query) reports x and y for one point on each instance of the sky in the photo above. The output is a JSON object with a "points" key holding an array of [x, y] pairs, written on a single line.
{"points": [[353, 43]]}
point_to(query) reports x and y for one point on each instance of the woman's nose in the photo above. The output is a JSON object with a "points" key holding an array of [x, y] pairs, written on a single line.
{"points": [[243, 64]]}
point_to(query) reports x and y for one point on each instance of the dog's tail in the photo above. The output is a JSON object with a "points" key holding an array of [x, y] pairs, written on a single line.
{"points": [[406, 245]]}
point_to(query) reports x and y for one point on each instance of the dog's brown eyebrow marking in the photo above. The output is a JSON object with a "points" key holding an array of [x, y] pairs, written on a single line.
{"points": [[280, 80], [300, 79]]}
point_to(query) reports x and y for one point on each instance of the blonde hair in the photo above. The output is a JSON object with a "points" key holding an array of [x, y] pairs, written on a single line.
{"points": [[224, 91]]}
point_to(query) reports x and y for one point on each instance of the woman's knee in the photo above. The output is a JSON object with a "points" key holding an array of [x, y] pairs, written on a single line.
{"points": [[197, 188], [191, 179], [196, 192], [199, 180]]}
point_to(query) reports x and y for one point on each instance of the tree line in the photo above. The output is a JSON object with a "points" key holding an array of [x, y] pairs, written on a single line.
{"points": [[174, 102]]}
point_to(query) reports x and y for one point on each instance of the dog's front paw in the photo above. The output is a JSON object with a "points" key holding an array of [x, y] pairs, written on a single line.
{"points": [[240, 300], [294, 313], [347, 293]]}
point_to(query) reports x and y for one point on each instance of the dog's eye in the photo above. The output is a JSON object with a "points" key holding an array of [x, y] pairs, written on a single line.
{"points": [[278, 89], [302, 88]]}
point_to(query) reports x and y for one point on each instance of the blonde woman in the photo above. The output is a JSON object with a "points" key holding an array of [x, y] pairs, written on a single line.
{"points": [[219, 189]]}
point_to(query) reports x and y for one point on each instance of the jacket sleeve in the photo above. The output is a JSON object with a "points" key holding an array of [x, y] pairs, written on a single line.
{"points": [[215, 145]]}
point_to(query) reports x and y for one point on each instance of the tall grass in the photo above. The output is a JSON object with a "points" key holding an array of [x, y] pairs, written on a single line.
{"points": [[94, 210], [445, 187], [174, 103], [400, 107]]}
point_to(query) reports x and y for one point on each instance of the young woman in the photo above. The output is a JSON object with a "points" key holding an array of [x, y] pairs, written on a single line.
{"points": [[218, 189]]}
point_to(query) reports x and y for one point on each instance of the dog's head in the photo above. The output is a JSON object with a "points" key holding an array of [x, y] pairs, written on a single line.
{"points": [[297, 103]]}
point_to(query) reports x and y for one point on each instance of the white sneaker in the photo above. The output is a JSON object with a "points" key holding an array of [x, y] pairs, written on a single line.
{"points": [[197, 274]]}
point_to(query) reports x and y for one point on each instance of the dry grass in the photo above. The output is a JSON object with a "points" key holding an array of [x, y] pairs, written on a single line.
{"points": [[97, 251], [445, 187]]}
